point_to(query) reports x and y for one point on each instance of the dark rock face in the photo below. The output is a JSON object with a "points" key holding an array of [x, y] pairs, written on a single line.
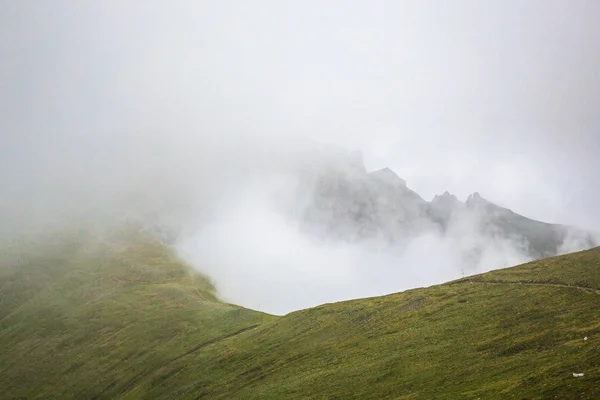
{"points": [[443, 207], [360, 205], [345, 202]]}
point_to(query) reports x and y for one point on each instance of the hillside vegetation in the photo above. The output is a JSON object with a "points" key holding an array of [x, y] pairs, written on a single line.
{"points": [[125, 319]]}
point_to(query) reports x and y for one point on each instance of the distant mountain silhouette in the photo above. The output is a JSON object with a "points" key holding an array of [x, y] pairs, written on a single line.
{"points": [[346, 202]]}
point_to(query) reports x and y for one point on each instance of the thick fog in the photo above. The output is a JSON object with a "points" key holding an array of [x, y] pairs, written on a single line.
{"points": [[198, 115]]}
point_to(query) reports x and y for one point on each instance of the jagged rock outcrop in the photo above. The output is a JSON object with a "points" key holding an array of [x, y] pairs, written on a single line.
{"points": [[345, 202], [353, 205], [443, 207]]}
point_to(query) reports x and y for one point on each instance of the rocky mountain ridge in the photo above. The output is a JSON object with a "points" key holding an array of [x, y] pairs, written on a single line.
{"points": [[346, 202]]}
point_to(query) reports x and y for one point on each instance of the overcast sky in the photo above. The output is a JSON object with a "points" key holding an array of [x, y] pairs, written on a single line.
{"points": [[499, 97]]}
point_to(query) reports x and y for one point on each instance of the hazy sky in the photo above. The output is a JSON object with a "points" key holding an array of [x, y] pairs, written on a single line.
{"points": [[499, 97]]}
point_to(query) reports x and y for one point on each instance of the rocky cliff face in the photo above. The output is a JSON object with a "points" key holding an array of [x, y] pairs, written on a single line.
{"points": [[353, 205], [343, 201]]}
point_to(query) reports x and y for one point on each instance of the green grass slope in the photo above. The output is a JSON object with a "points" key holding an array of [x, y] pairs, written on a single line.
{"points": [[86, 319], [128, 322]]}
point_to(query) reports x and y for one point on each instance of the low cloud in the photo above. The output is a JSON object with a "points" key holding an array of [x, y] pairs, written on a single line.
{"points": [[259, 255]]}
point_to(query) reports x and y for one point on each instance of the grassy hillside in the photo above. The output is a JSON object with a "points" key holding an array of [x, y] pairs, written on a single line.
{"points": [[81, 319], [125, 319]]}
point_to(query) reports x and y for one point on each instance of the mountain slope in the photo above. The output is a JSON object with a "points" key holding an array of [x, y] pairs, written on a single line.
{"points": [[542, 239], [108, 320], [81, 318], [345, 202]]}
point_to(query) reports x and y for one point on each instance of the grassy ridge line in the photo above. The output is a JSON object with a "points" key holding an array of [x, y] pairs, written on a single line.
{"points": [[577, 269], [127, 320], [527, 283], [85, 318], [456, 340], [463, 341]]}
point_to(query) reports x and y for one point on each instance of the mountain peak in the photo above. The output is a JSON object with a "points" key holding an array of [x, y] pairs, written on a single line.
{"points": [[388, 176], [445, 197], [476, 198]]}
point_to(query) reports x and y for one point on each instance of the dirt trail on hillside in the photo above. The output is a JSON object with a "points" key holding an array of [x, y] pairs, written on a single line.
{"points": [[515, 283]]}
